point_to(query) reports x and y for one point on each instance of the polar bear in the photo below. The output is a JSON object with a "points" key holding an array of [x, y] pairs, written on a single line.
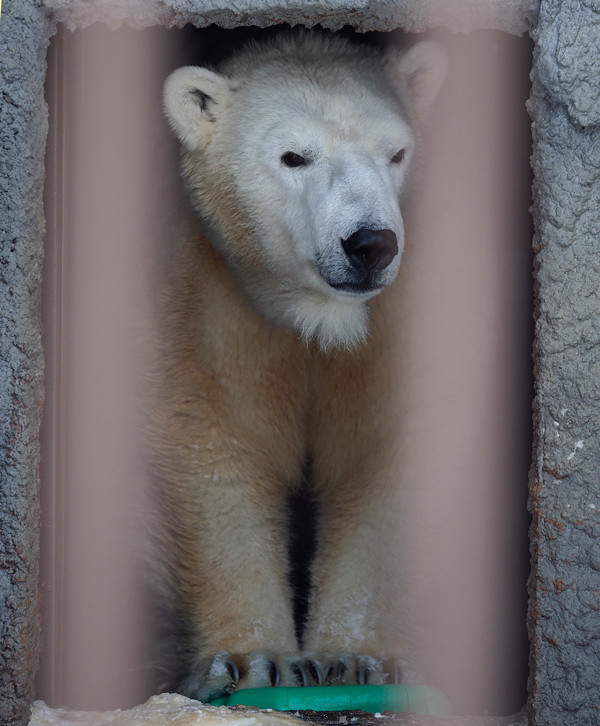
{"points": [[277, 362]]}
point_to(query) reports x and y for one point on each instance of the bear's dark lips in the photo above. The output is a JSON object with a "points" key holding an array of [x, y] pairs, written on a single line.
{"points": [[356, 288], [365, 284]]}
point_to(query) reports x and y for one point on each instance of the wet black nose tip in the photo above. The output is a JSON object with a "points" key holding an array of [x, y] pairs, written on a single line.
{"points": [[371, 250]]}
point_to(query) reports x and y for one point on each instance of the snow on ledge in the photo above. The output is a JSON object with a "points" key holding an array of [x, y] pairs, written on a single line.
{"points": [[163, 710], [511, 16]]}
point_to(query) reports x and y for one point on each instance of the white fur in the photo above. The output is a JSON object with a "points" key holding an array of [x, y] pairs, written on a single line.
{"points": [[277, 356], [182, 106], [331, 322], [348, 120]]}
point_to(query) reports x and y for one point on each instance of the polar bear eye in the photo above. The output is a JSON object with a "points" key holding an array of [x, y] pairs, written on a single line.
{"points": [[291, 159], [398, 156]]}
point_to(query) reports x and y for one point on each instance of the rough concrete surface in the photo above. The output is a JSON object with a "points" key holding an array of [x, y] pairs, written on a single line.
{"points": [[568, 62], [565, 501], [565, 580], [23, 43], [512, 16]]}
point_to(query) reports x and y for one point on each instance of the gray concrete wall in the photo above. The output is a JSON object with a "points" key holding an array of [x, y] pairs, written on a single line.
{"points": [[511, 16], [565, 499], [565, 109], [24, 32]]}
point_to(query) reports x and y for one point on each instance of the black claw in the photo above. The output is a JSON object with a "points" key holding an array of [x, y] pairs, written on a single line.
{"points": [[314, 671], [233, 671], [337, 670], [300, 673], [363, 675], [274, 673], [394, 671]]}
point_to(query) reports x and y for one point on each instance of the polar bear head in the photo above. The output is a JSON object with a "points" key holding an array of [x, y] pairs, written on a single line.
{"points": [[295, 154]]}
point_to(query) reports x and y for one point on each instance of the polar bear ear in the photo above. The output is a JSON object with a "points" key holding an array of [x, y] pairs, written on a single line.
{"points": [[420, 72], [193, 99]]}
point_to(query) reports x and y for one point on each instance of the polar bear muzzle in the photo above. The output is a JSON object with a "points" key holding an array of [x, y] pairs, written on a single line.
{"points": [[368, 255]]}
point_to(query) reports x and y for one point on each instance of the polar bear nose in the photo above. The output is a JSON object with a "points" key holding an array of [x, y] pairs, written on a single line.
{"points": [[371, 249]]}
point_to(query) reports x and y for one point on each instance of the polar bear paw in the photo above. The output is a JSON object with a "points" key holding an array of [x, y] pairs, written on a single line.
{"points": [[346, 669], [224, 672]]}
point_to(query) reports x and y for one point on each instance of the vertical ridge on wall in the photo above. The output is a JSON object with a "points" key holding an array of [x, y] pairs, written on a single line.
{"points": [[54, 322], [24, 32]]}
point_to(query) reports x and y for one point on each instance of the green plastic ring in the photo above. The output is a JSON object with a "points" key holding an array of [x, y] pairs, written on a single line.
{"points": [[373, 699]]}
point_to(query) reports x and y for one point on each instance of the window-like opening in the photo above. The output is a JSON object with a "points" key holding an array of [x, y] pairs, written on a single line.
{"points": [[112, 184]]}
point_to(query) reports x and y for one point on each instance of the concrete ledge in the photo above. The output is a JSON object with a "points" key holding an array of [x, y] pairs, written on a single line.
{"points": [[171, 708]]}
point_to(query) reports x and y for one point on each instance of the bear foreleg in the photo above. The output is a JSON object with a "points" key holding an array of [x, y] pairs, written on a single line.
{"points": [[237, 598]]}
